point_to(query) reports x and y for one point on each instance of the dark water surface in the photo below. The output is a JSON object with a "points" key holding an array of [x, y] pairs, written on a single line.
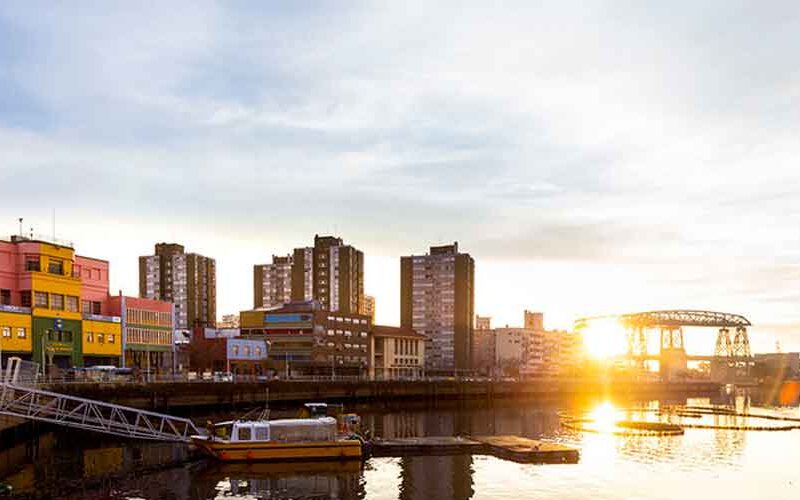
{"points": [[703, 463]]}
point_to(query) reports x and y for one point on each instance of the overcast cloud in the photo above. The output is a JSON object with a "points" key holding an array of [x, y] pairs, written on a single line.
{"points": [[569, 142]]}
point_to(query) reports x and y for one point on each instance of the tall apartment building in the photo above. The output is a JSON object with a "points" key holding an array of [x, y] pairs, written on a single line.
{"points": [[272, 283], [437, 297], [534, 320], [186, 279], [369, 306], [330, 272]]}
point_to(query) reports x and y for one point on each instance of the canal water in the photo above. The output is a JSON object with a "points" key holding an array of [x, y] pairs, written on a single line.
{"points": [[703, 463]]}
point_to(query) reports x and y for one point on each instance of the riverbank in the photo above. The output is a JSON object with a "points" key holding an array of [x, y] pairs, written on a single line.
{"points": [[163, 396]]}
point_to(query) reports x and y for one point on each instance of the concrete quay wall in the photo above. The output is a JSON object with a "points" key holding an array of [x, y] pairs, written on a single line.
{"points": [[221, 394]]}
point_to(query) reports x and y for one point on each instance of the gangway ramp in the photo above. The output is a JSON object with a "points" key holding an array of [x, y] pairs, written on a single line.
{"points": [[22, 399]]}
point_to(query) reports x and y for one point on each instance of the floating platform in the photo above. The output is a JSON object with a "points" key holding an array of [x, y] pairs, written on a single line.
{"points": [[513, 448]]}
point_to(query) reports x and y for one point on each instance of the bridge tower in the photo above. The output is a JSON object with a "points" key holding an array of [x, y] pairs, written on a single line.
{"points": [[733, 355], [637, 345], [672, 359]]}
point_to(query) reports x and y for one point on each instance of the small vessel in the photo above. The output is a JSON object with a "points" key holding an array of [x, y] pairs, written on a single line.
{"points": [[318, 437]]}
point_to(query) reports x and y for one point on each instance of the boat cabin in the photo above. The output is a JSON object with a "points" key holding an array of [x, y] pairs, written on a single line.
{"points": [[250, 431]]}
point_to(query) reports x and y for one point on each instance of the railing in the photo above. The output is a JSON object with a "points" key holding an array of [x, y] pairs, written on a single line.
{"points": [[22, 399]]}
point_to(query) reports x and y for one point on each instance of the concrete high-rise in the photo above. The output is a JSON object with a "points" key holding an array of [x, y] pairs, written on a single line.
{"points": [[331, 273], [272, 283], [369, 306], [437, 299], [188, 280], [534, 320]]}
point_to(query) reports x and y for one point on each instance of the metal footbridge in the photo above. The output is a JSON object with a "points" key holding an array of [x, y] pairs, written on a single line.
{"points": [[21, 398]]}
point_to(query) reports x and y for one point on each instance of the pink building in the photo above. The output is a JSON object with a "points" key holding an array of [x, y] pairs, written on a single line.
{"points": [[94, 284], [13, 278]]}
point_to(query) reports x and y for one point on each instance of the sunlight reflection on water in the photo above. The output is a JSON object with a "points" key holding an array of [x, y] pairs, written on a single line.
{"points": [[702, 462]]}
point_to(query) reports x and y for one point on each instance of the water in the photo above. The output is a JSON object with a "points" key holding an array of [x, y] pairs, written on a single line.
{"points": [[700, 464]]}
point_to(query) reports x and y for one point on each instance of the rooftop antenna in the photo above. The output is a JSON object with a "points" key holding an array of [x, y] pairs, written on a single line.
{"points": [[20, 228]]}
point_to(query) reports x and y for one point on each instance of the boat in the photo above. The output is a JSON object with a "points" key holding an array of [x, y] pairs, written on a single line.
{"points": [[317, 437]]}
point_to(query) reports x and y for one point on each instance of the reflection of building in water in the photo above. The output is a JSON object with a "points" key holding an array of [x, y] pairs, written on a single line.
{"points": [[442, 478]]}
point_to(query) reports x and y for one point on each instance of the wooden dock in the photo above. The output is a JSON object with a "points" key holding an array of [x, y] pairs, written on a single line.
{"points": [[514, 448]]}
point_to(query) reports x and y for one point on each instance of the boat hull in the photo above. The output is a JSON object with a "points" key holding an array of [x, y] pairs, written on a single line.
{"points": [[226, 451]]}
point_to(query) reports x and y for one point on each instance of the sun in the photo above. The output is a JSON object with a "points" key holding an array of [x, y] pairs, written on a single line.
{"points": [[604, 339]]}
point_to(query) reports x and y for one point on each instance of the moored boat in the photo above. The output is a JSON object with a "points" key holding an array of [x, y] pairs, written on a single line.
{"points": [[318, 438]]}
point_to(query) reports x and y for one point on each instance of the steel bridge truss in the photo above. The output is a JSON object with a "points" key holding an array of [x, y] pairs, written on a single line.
{"points": [[731, 349], [18, 399]]}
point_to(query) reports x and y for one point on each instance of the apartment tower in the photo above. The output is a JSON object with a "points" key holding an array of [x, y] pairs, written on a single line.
{"points": [[188, 280], [272, 283], [330, 272], [437, 295]]}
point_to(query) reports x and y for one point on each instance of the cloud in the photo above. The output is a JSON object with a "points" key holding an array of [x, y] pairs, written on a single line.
{"points": [[658, 140]]}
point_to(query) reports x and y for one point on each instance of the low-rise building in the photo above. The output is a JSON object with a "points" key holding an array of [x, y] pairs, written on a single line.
{"points": [[148, 332], [306, 340], [225, 350], [396, 353]]}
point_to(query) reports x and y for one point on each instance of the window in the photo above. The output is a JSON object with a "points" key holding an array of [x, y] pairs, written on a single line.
{"points": [[57, 301], [110, 338], [100, 339], [21, 334], [55, 266], [95, 307], [41, 299], [86, 306], [72, 303], [244, 434], [6, 332], [25, 298], [32, 263], [262, 434], [5, 297], [89, 337]]}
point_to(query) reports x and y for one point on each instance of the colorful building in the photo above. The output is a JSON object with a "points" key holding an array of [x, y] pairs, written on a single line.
{"points": [[305, 339], [224, 350], [53, 302], [147, 332]]}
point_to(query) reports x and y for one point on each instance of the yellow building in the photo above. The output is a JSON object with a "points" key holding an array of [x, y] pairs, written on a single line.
{"points": [[15, 330], [102, 340], [46, 291]]}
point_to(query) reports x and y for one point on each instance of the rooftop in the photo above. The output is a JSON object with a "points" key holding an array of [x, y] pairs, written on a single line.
{"points": [[395, 331]]}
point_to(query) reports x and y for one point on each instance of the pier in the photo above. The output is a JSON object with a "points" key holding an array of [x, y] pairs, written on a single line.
{"points": [[514, 448]]}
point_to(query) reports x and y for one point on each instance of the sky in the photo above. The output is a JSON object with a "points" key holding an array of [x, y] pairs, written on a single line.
{"points": [[593, 157]]}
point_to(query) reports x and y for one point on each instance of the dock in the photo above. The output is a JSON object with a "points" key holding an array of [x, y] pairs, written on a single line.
{"points": [[514, 448]]}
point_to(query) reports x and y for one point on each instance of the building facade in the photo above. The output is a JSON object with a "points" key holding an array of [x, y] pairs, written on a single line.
{"points": [[305, 339], [272, 283], [188, 280], [52, 300], [437, 293], [331, 273], [396, 353], [369, 306], [483, 346], [148, 333], [225, 350], [534, 320]]}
